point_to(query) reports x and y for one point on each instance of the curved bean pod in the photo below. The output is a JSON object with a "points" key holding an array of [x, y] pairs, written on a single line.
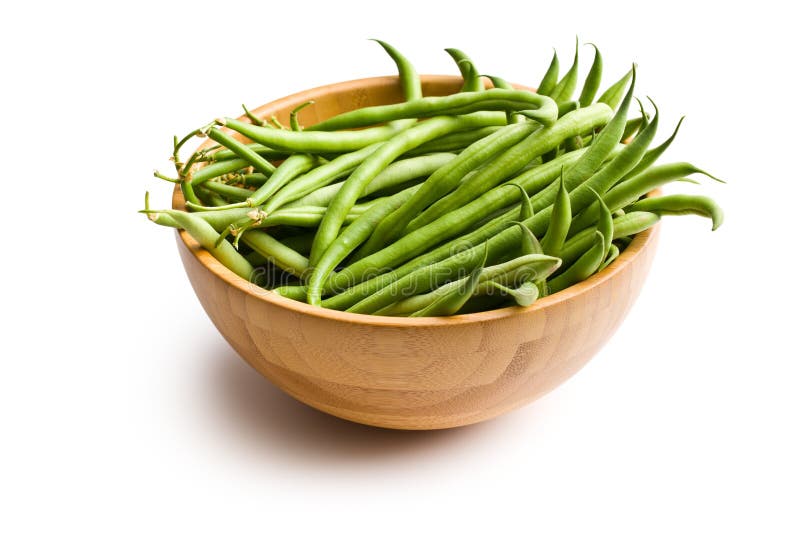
{"points": [[682, 205], [563, 90], [592, 82], [550, 78], [314, 142], [540, 108]]}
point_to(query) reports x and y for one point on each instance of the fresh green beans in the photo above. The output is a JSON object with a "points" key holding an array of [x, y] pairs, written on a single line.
{"points": [[354, 185], [437, 205], [444, 179]]}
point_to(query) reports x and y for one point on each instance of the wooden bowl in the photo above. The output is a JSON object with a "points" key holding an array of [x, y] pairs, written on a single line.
{"points": [[412, 373]]}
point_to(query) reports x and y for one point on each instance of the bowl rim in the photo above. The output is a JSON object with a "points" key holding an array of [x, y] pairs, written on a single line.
{"points": [[623, 261]]}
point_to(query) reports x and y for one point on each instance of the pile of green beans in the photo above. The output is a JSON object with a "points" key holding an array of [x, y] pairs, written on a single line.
{"points": [[438, 205]]}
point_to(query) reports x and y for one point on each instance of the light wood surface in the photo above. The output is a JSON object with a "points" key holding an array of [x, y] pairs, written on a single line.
{"points": [[412, 373]]}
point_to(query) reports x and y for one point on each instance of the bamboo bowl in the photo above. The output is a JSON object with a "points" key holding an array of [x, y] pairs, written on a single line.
{"points": [[412, 373]]}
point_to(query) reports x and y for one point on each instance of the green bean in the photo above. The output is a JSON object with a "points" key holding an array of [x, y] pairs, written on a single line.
{"points": [[500, 83], [631, 189], [583, 268], [550, 78], [409, 79], [513, 159], [220, 168], [242, 150], [314, 142], [276, 252], [297, 293], [614, 94], [472, 81], [654, 153], [530, 245], [228, 191], [526, 208], [354, 185], [539, 107], [204, 234], [682, 205], [263, 151], [592, 82], [524, 295], [449, 302], [398, 173], [560, 220], [628, 224], [632, 126], [612, 255], [349, 239], [219, 220], [605, 223], [563, 90], [444, 179], [453, 142]]}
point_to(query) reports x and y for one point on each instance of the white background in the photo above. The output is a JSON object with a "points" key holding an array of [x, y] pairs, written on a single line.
{"points": [[123, 410]]}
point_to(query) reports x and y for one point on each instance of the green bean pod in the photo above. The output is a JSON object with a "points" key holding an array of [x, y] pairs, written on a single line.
{"points": [[560, 220], [563, 90], [654, 153], [205, 234], [449, 302], [313, 142], [472, 81], [539, 107], [614, 94], [682, 205], [583, 268], [592, 82], [550, 78], [276, 252]]}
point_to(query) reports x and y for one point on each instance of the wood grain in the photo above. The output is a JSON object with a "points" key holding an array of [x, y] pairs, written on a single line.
{"points": [[420, 373]]}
